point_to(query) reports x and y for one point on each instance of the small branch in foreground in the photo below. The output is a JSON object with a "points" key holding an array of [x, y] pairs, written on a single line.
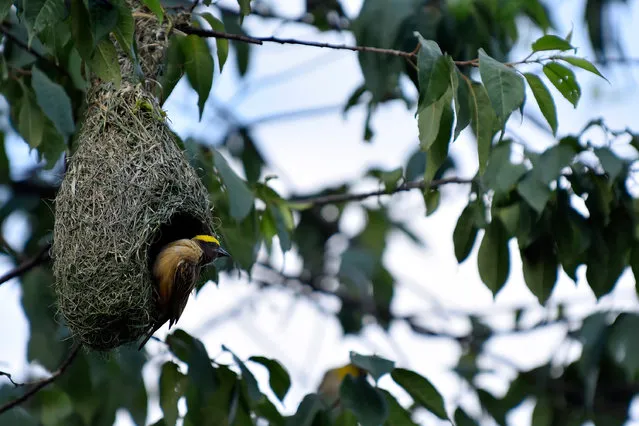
{"points": [[342, 198], [37, 386], [41, 257]]}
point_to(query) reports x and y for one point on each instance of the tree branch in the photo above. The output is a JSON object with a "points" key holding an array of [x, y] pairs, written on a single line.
{"points": [[261, 40], [342, 198], [42, 383], [41, 257]]}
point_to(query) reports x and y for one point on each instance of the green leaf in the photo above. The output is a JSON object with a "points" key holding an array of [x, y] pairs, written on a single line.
{"points": [[368, 404], [501, 174], [534, 187], [192, 352], [421, 390], [38, 303], [5, 6], [54, 146], [483, 121], [465, 233], [354, 98], [389, 178], [543, 413], [551, 42], [221, 43], [553, 161], [241, 198], [381, 72], [593, 335], [125, 35], [156, 7], [75, 66], [242, 50], [5, 169], [279, 380], [266, 410], [245, 8], [540, 265], [39, 14], [612, 165], [583, 64], [544, 100], [281, 215], [104, 62], [494, 257], [247, 377], [172, 388], [535, 192], [346, 418], [634, 263], [199, 66], [505, 87], [242, 240], [623, 344], [416, 166], [434, 71], [375, 365], [30, 121], [55, 405], [463, 419], [397, 415], [173, 68], [438, 151], [81, 29], [306, 412], [103, 19], [564, 80], [428, 120], [462, 106], [54, 101]]}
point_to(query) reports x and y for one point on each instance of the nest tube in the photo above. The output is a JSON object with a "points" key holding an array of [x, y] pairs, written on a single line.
{"points": [[127, 192]]}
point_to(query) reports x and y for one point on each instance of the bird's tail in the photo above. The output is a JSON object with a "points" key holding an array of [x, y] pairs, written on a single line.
{"points": [[148, 335]]}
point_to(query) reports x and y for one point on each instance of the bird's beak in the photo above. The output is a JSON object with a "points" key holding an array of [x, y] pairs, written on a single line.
{"points": [[221, 252]]}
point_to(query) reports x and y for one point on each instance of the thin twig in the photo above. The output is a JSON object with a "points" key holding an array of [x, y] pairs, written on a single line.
{"points": [[217, 34], [8, 376], [342, 198], [260, 40], [42, 383], [41, 257]]}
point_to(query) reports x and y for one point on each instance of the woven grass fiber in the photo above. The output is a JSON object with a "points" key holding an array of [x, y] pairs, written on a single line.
{"points": [[127, 192]]}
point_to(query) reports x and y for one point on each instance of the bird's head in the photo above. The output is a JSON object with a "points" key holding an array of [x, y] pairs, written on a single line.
{"points": [[211, 247]]}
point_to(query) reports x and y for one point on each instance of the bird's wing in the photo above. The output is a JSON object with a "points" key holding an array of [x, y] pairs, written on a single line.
{"points": [[177, 255], [186, 274]]}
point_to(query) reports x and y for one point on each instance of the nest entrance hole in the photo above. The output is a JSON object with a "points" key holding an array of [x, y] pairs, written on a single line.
{"points": [[180, 225]]}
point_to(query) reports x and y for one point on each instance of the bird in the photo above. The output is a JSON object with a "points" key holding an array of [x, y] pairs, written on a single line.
{"points": [[331, 383], [176, 270]]}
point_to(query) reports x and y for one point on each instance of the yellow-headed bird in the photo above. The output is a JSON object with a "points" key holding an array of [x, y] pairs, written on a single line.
{"points": [[176, 270], [332, 381]]}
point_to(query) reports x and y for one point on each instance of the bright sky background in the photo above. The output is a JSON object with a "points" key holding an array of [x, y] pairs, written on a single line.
{"points": [[315, 151]]}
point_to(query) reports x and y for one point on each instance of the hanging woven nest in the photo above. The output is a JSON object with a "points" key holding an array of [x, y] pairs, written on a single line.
{"points": [[127, 192]]}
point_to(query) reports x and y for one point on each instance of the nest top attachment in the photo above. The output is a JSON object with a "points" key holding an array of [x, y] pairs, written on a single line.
{"points": [[128, 191]]}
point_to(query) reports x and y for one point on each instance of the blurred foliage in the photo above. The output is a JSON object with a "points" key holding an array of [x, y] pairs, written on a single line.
{"points": [[566, 207]]}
